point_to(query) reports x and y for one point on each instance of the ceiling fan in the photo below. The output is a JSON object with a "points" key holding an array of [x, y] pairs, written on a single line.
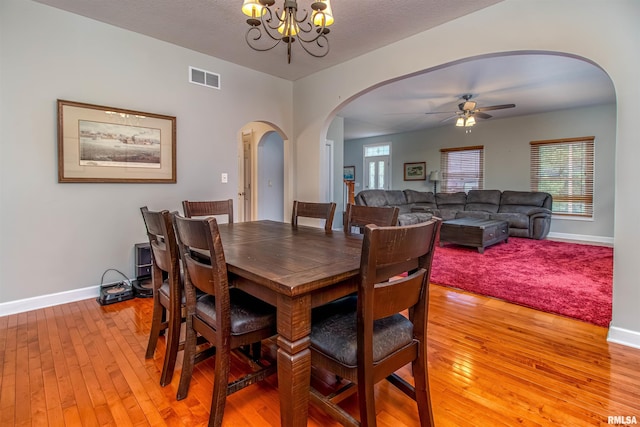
{"points": [[469, 111]]}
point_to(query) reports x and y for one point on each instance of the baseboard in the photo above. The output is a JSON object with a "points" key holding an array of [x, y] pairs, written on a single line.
{"points": [[608, 241], [28, 304], [624, 337]]}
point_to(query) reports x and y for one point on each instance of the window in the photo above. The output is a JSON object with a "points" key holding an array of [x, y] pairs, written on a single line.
{"points": [[462, 169], [564, 168], [377, 150]]}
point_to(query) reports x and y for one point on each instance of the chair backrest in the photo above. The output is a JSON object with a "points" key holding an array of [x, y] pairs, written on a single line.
{"points": [[314, 210], [208, 208], [390, 251], [204, 264], [359, 216], [387, 253], [162, 241]]}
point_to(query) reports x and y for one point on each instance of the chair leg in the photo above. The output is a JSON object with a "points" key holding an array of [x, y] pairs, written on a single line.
{"points": [[220, 384], [367, 402], [188, 361], [171, 352], [156, 323], [423, 398]]}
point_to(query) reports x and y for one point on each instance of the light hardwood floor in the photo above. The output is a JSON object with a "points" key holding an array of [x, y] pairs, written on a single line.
{"points": [[491, 364]]}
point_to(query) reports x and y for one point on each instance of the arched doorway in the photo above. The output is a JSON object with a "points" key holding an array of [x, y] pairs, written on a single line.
{"points": [[264, 171]]}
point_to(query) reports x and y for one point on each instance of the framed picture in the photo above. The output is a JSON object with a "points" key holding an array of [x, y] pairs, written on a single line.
{"points": [[415, 171], [106, 144], [349, 173]]}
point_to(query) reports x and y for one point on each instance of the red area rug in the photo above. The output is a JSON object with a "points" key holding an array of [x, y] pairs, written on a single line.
{"points": [[569, 279]]}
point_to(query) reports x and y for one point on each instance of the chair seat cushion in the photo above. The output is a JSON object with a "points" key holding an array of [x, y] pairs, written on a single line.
{"points": [[164, 291], [334, 334], [248, 313]]}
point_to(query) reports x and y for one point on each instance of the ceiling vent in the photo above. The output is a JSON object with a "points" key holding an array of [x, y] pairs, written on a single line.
{"points": [[204, 78]]}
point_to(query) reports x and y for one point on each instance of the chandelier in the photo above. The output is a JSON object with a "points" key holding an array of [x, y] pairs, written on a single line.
{"points": [[269, 28]]}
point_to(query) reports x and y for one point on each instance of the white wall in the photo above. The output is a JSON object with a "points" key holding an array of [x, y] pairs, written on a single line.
{"points": [[506, 156], [603, 32], [62, 237], [336, 134]]}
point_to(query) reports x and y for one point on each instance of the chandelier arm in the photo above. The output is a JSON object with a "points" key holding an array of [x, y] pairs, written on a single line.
{"points": [[252, 39], [271, 22], [324, 47]]}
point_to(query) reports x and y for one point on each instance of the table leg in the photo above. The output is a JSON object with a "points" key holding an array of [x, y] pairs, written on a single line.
{"points": [[294, 359]]}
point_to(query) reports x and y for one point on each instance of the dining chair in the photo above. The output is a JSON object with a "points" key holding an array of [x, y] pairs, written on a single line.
{"points": [[167, 288], [359, 216], [208, 208], [227, 318], [365, 338], [324, 211]]}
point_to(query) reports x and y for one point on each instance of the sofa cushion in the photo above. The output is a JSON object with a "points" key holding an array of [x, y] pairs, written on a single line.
{"points": [[396, 198], [523, 198], [414, 218], [446, 214], [372, 198], [473, 214], [422, 197], [483, 200], [451, 200]]}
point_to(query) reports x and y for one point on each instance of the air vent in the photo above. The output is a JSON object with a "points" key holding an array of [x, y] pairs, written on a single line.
{"points": [[204, 78]]}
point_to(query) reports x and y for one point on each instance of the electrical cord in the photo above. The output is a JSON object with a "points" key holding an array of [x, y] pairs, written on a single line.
{"points": [[117, 271]]}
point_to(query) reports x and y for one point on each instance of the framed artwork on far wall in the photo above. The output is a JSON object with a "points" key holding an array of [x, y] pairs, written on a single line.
{"points": [[107, 144], [349, 173], [415, 171]]}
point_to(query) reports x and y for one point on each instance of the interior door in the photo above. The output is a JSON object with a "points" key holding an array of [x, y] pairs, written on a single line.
{"points": [[246, 191], [377, 172]]}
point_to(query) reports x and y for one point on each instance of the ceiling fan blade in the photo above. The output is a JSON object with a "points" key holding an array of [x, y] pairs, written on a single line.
{"points": [[449, 118], [482, 115], [440, 112], [496, 107]]}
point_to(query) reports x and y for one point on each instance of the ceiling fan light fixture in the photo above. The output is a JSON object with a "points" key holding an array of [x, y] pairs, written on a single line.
{"points": [[460, 121], [470, 121]]}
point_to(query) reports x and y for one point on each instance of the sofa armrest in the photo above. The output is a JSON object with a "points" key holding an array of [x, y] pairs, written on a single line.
{"points": [[539, 223], [539, 212]]}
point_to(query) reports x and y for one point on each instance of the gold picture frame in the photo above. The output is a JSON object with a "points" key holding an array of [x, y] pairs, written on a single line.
{"points": [[99, 144]]}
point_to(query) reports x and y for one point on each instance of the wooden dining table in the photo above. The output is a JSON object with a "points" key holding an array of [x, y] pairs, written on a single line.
{"points": [[294, 269]]}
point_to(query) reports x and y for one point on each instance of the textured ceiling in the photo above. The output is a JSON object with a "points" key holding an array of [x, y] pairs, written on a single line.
{"points": [[218, 27], [535, 83]]}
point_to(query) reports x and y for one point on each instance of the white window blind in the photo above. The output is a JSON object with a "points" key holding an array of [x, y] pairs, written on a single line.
{"points": [[462, 169], [564, 168]]}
